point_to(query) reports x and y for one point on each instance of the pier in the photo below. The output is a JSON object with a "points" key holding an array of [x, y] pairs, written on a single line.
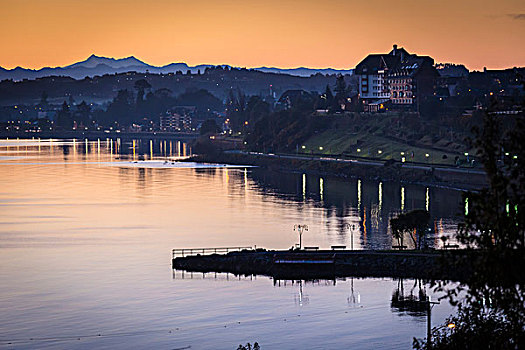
{"points": [[313, 264]]}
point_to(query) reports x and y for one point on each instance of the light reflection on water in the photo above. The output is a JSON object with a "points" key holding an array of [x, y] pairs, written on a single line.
{"points": [[85, 250]]}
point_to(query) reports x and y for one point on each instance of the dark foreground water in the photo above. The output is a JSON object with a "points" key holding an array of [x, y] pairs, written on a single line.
{"points": [[87, 228]]}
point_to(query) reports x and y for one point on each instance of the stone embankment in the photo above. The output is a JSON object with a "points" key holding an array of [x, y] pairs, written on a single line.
{"points": [[300, 264]]}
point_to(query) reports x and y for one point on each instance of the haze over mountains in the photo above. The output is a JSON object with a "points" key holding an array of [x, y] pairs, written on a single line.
{"points": [[97, 65]]}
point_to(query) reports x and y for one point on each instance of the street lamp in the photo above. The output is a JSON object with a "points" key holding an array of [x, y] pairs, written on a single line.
{"points": [[351, 228], [300, 229]]}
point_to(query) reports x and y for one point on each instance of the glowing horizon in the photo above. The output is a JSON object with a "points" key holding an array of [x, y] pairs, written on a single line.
{"points": [[274, 33]]}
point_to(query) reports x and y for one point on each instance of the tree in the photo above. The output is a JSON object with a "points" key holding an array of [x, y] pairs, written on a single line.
{"points": [[43, 99], [83, 112], [141, 86], [492, 314], [121, 108], [326, 99], [340, 85], [413, 223], [209, 126], [340, 93], [64, 120], [398, 231], [202, 99]]}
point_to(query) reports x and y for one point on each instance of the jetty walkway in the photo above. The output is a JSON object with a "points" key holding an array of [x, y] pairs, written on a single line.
{"points": [[314, 264]]}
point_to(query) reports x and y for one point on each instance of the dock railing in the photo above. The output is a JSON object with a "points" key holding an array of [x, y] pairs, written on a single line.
{"points": [[205, 251]]}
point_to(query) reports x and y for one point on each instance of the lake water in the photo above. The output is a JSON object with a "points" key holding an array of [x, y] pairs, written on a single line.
{"points": [[87, 228]]}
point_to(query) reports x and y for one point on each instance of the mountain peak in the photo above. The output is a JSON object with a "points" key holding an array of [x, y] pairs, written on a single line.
{"points": [[94, 60]]}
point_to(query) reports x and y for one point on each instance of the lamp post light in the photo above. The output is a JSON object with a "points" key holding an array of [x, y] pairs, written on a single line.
{"points": [[300, 229], [451, 326], [351, 228]]}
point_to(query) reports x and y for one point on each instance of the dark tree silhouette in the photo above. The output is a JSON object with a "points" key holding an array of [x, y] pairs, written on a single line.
{"points": [[414, 223], [492, 314], [64, 120], [209, 126]]}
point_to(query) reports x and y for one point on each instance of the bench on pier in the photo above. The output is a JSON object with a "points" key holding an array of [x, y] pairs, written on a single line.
{"points": [[451, 246], [399, 247], [342, 247], [311, 248]]}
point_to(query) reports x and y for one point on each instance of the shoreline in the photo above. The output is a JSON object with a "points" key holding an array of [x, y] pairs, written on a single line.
{"points": [[98, 134], [451, 178]]}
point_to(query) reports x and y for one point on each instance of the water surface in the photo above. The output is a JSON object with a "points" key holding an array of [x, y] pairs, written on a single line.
{"points": [[87, 228]]}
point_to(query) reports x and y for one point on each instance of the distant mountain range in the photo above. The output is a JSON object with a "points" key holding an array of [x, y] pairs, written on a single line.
{"points": [[97, 65]]}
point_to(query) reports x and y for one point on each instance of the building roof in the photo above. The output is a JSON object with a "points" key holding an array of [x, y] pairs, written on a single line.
{"points": [[411, 66], [372, 63], [398, 62]]}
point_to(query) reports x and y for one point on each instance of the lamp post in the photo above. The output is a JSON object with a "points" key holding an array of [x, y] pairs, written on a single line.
{"points": [[300, 229], [429, 305], [351, 228]]}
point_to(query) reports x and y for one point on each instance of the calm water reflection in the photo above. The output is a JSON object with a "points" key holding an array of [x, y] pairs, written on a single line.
{"points": [[87, 228]]}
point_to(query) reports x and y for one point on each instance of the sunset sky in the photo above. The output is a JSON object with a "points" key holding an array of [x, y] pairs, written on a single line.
{"points": [[253, 33]]}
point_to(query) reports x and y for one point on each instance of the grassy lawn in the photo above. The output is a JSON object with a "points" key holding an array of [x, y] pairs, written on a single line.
{"points": [[374, 146]]}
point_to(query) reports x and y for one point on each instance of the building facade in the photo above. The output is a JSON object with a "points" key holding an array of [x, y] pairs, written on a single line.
{"points": [[177, 119], [397, 80]]}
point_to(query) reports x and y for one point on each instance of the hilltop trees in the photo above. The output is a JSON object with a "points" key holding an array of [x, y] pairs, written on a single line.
{"points": [[121, 109], [128, 108], [284, 130], [201, 99]]}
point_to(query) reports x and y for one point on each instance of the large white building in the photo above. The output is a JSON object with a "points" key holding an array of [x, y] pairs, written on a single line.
{"points": [[397, 79], [373, 84]]}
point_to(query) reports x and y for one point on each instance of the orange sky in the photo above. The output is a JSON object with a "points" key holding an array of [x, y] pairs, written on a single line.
{"points": [[252, 33]]}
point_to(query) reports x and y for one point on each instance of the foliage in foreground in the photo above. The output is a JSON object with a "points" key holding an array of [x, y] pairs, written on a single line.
{"points": [[248, 346], [492, 314], [476, 328]]}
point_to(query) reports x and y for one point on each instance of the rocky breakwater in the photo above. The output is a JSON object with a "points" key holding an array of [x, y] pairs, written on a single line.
{"points": [[299, 264]]}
